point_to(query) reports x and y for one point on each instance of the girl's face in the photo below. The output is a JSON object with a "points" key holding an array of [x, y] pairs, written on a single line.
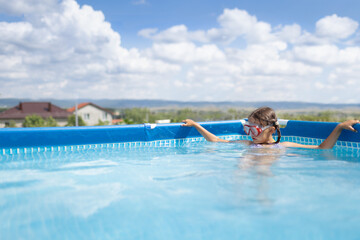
{"points": [[266, 135]]}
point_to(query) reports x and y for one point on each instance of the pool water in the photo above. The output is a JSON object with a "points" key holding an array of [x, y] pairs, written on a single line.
{"points": [[197, 190]]}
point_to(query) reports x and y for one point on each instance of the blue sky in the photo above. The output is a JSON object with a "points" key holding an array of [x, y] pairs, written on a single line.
{"points": [[181, 50]]}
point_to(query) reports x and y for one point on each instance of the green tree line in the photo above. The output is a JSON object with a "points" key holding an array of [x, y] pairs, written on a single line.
{"points": [[145, 115], [37, 121], [323, 116]]}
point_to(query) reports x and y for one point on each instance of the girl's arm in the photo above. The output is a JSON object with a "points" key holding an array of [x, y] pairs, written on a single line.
{"points": [[330, 141], [205, 133]]}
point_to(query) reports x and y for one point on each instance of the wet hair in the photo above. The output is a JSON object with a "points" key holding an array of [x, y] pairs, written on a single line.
{"points": [[266, 116]]}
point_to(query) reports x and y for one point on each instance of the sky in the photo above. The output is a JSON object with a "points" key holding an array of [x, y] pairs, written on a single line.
{"points": [[196, 50]]}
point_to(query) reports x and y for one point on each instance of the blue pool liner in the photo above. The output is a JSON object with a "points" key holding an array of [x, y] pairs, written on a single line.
{"points": [[62, 136]]}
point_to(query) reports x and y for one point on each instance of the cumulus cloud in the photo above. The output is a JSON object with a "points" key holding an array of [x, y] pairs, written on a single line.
{"points": [[186, 52], [336, 27], [327, 55], [20, 7], [289, 33], [178, 33], [233, 23], [285, 56], [64, 50], [65, 47]]}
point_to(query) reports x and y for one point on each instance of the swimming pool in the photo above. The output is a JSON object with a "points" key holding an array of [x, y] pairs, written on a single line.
{"points": [[179, 188]]}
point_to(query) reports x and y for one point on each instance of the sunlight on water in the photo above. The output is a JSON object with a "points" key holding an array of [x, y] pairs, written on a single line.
{"points": [[197, 191]]}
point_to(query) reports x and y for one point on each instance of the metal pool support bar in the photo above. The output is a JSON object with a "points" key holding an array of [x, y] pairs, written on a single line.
{"points": [[62, 136]]}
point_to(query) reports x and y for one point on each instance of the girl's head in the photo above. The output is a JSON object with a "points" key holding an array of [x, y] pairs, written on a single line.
{"points": [[266, 119]]}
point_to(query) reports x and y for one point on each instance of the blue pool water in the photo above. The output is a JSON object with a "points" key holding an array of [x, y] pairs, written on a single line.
{"points": [[196, 190]]}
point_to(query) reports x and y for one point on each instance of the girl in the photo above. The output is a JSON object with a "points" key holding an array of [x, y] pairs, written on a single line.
{"points": [[262, 124]]}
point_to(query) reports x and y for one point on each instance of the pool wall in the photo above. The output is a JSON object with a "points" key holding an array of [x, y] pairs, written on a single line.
{"points": [[65, 136]]}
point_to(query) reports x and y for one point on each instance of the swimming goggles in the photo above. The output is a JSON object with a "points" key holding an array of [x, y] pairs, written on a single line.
{"points": [[253, 129]]}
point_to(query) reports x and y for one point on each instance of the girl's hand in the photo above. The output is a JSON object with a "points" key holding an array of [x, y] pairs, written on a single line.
{"points": [[349, 125], [188, 123]]}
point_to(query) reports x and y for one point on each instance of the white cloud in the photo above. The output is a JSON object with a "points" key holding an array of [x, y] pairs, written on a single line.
{"points": [[68, 43], [186, 52], [148, 32], [233, 23], [178, 33], [329, 30], [336, 27], [283, 59], [19, 7], [289, 33], [263, 60], [63, 50], [327, 55]]}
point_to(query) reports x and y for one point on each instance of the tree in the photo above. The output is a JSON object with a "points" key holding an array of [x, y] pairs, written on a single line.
{"points": [[101, 123], [33, 121], [233, 114], [136, 115], [50, 122], [71, 121], [128, 121], [184, 114]]}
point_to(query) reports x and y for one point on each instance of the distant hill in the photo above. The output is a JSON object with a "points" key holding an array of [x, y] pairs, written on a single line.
{"points": [[127, 103]]}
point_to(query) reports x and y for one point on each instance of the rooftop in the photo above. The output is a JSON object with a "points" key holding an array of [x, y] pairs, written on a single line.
{"points": [[43, 109], [81, 105]]}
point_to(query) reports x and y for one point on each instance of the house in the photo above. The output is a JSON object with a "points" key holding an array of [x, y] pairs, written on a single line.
{"points": [[18, 113], [92, 114]]}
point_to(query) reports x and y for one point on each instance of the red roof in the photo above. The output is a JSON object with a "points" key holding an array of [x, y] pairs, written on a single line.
{"points": [[81, 105], [43, 109], [114, 121]]}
